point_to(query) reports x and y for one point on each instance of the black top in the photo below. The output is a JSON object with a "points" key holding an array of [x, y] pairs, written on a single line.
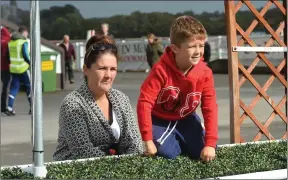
{"points": [[110, 114]]}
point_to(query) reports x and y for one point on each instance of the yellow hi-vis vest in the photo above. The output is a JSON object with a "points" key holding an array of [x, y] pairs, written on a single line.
{"points": [[17, 63]]}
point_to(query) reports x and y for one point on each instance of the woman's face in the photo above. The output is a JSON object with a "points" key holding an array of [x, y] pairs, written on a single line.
{"points": [[101, 74]]}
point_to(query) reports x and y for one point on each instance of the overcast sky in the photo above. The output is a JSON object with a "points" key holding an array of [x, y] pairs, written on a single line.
{"points": [[90, 9]]}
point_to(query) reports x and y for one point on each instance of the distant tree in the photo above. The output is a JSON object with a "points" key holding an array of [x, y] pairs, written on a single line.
{"points": [[57, 21], [61, 25]]}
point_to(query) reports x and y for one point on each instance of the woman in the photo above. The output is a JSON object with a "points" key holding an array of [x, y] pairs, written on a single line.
{"points": [[154, 50], [95, 119]]}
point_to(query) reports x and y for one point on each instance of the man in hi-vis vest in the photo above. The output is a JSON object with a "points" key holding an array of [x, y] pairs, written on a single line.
{"points": [[19, 67]]}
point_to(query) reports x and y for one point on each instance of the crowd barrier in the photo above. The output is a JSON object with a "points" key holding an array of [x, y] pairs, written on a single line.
{"points": [[133, 55]]}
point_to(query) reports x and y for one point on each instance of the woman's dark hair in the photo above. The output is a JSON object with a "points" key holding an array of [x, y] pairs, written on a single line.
{"points": [[98, 45]]}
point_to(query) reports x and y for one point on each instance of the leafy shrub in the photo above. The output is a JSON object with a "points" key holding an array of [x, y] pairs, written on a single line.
{"points": [[230, 161]]}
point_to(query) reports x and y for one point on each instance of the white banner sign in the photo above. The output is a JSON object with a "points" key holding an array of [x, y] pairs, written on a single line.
{"points": [[133, 52]]}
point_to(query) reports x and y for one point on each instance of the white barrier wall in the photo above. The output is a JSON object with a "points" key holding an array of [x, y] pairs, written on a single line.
{"points": [[133, 55]]}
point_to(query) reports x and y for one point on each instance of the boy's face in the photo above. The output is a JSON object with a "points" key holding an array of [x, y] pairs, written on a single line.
{"points": [[189, 53]]}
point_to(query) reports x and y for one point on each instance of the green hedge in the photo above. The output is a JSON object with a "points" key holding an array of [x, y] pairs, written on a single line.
{"points": [[230, 161]]}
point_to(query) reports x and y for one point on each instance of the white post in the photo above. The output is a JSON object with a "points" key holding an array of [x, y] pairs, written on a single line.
{"points": [[219, 47], [39, 170]]}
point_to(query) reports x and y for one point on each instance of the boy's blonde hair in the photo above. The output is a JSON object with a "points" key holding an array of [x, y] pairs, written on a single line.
{"points": [[185, 27]]}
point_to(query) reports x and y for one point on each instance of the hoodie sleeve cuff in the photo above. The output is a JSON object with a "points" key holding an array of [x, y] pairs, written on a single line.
{"points": [[211, 142], [147, 136]]}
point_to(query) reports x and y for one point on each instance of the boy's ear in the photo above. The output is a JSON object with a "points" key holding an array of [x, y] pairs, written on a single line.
{"points": [[174, 48]]}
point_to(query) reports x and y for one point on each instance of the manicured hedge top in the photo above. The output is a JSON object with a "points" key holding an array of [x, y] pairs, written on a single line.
{"points": [[230, 161]]}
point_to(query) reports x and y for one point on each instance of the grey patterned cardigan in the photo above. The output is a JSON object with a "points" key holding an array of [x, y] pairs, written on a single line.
{"points": [[84, 132]]}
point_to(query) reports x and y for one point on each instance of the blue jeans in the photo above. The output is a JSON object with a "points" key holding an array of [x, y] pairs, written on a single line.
{"points": [[182, 137], [15, 85]]}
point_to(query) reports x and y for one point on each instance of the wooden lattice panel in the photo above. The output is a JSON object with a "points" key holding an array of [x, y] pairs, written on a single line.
{"points": [[231, 9]]}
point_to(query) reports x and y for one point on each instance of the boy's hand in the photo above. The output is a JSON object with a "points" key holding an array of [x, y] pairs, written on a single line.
{"points": [[208, 154], [150, 148]]}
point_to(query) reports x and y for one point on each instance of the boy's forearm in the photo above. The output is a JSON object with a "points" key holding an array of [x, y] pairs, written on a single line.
{"points": [[144, 120], [210, 110], [148, 95], [211, 125]]}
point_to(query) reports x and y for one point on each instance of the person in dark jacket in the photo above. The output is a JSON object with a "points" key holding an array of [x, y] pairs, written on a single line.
{"points": [[69, 53], [5, 73], [154, 50], [207, 52]]}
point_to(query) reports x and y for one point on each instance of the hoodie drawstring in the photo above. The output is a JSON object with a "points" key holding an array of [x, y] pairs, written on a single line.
{"points": [[160, 141]]}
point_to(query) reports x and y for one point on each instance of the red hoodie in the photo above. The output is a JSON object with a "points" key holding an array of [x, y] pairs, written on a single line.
{"points": [[168, 94], [5, 38]]}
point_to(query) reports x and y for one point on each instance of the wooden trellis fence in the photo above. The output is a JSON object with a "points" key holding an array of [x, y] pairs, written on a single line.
{"points": [[234, 47]]}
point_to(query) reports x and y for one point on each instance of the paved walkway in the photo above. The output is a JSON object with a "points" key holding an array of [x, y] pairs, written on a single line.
{"points": [[16, 145]]}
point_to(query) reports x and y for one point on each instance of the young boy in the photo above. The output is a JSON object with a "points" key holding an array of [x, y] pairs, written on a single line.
{"points": [[171, 93]]}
